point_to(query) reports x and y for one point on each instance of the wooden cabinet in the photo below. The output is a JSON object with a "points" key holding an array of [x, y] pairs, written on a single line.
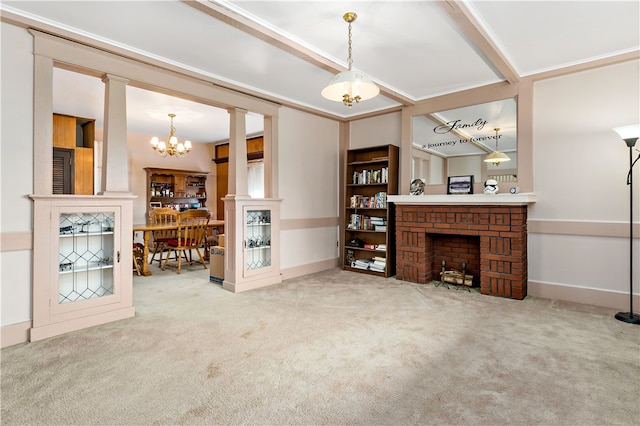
{"points": [[369, 239], [75, 136], [255, 151], [180, 189]]}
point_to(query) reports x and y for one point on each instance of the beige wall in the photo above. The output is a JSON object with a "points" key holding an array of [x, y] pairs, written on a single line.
{"points": [[577, 244], [579, 225], [578, 229]]}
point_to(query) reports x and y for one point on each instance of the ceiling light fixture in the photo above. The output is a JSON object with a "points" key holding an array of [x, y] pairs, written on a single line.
{"points": [[175, 148], [350, 86], [497, 157]]}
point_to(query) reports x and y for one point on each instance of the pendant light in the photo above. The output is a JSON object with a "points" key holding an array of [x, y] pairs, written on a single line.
{"points": [[174, 148], [350, 86], [497, 157]]}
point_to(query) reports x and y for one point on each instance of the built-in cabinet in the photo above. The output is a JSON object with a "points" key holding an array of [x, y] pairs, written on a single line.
{"points": [[82, 262], [252, 243], [369, 239], [180, 189]]}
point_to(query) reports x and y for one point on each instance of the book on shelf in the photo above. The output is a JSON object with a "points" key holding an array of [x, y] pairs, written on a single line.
{"points": [[377, 201], [371, 176], [381, 247], [366, 223]]}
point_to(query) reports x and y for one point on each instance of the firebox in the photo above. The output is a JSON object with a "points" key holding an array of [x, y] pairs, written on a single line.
{"points": [[459, 253]]}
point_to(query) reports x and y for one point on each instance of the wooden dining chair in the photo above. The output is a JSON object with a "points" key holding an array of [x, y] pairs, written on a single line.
{"points": [[162, 216], [191, 234]]}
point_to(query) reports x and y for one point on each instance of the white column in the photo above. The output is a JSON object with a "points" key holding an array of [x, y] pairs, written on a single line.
{"points": [[115, 161], [238, 153], [270, 157], [43, 125]]}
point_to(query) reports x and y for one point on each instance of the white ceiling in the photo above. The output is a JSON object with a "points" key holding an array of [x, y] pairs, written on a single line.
{"points": [[287, 51]]}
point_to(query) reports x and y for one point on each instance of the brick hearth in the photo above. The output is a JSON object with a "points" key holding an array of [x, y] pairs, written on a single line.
{"points": [[502, 231]]}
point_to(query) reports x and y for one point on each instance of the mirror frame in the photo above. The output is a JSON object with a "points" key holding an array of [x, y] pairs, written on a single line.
{"points": [[522, 92]]}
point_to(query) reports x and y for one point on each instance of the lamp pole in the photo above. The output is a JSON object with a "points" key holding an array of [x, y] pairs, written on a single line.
{"points": [[630, 135]]}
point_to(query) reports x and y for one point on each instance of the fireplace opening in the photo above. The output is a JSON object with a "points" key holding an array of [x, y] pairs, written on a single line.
{"points": [[459, 253]]}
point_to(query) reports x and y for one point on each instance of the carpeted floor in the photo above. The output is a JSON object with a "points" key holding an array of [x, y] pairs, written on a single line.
{"points": [[333, 348]]}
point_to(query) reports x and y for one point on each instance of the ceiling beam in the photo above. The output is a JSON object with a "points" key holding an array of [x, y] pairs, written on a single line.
{"points": [[255, 29], [480, 38]]}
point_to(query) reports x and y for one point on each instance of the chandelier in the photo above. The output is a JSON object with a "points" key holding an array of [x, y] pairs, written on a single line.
{"points": [[497, 157], [350, 86], [179, 149]]}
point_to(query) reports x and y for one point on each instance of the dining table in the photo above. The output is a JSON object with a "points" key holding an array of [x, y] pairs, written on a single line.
{"points": [[148, 228]]}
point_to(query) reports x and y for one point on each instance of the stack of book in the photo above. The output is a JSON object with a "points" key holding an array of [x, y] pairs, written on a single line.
{"points": [[379, 223], [379, 264], [361, 263]]}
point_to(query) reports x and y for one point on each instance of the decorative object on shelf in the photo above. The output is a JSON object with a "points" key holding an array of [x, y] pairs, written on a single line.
{"points": [[491, 186], [630, 135], [350, 86], [497, 157], [417, 187], [354, 242], [514, 190], [460, 184], [175, 148]]}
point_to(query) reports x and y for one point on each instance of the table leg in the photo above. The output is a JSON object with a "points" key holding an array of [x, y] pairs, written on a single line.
{"points": [[145, 264]]}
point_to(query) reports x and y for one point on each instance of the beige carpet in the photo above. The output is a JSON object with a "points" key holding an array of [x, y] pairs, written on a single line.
{"points": [[332, 348]]}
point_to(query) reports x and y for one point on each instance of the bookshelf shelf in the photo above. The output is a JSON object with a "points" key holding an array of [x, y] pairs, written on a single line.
{"points": [[371, 175]]}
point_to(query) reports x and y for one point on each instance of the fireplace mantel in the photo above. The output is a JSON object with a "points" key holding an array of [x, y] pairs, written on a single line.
{"points": [[471, 199]]}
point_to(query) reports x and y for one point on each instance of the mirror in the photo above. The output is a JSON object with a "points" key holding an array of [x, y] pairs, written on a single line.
{"points": [[456, 142]]}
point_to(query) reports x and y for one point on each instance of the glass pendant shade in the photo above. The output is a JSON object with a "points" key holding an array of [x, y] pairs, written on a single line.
{"points": [[353, 84], [497, 157], [350, 86]]}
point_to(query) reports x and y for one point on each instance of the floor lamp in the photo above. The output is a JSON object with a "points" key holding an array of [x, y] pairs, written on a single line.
{"points": [[630, 136]]}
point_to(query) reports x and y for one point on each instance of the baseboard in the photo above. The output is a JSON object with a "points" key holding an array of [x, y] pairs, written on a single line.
{"points": [[251, 285], [50, 330], [311, 268], [14, 334], [587, 296]]}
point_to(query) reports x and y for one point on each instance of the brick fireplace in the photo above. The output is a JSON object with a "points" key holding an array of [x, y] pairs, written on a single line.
{"points": [[487, 232]]}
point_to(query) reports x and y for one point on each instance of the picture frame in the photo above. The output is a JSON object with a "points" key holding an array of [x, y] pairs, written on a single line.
{"points": [[460, 184], [155, 204]]}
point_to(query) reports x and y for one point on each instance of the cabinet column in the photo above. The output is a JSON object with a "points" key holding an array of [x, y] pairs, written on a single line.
{"points": [[238, 153], [270, 157], [43, 125], [115, 158]]}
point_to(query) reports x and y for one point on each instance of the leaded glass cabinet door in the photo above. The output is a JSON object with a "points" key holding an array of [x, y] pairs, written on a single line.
{"points": [[86, 256], [82, 263], [257, 241]]}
